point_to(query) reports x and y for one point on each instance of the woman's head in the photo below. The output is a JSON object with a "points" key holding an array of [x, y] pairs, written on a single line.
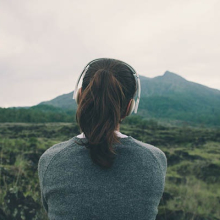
{"points": [[107, 90]]}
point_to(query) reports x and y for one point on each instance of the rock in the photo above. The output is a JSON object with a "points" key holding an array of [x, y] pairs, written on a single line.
{"points": [[166, 197], [210, 173], [165, 214], [3, 215], [19, 205], [9, 178], [176, 180]]}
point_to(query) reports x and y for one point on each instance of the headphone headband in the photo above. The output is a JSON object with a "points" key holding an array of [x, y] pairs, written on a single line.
{"points": [[136, 76]]}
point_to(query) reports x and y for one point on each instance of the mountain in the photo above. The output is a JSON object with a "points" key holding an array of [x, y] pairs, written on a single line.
{"points": [[168, 97], [171, 83], [64, 101]]}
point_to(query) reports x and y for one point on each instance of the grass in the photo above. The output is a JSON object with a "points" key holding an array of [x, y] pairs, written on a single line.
{"points": [[195, 196]]}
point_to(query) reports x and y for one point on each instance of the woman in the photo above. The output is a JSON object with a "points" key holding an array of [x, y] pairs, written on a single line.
{"points": [[103, 174]]}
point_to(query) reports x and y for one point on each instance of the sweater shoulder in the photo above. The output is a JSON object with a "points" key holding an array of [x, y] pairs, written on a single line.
{"points": [[158, 155], [48, 156]]}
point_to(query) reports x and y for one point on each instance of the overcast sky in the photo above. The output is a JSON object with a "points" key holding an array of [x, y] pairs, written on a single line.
{"points": [[45, 44]]}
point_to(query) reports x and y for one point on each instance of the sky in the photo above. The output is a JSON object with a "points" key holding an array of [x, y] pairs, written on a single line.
{"points": [[45, 44]]}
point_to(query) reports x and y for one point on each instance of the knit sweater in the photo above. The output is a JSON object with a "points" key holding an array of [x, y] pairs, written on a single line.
{"points": [[73, 187]]}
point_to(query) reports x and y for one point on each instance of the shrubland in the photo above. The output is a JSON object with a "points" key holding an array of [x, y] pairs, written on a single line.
{"points": [[191, 192]]}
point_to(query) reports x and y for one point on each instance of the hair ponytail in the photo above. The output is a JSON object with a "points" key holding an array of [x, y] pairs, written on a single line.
{"points": [[101, 106]]}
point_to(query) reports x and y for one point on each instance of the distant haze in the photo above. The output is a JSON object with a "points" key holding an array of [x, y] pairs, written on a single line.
{"points": [[45, 44]]}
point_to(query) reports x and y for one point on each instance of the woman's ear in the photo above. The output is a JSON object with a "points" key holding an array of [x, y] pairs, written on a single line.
{"points": [[128, 109]]}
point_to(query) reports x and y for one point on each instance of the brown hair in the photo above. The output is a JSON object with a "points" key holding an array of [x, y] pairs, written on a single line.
{"points": [[107, 88]]}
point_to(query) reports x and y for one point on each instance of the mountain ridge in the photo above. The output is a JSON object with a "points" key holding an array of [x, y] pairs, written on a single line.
{"points": [[168, 96]]}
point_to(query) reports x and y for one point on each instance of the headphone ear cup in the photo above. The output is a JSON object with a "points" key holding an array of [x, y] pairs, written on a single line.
{"points": [[77, 97], [131, 109]]}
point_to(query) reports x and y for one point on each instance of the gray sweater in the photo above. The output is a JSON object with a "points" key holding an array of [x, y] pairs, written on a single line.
{"points": [[73, 187]]}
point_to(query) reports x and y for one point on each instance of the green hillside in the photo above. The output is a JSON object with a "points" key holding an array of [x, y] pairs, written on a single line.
{"points": [[37, 114], [64, 101], [167, 98]]}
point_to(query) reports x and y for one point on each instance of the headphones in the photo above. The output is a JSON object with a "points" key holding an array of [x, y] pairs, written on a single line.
{"points": [[134, 103]]}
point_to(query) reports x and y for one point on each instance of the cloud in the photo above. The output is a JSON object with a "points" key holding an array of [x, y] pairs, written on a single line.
{"points": [[46, 44]]}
